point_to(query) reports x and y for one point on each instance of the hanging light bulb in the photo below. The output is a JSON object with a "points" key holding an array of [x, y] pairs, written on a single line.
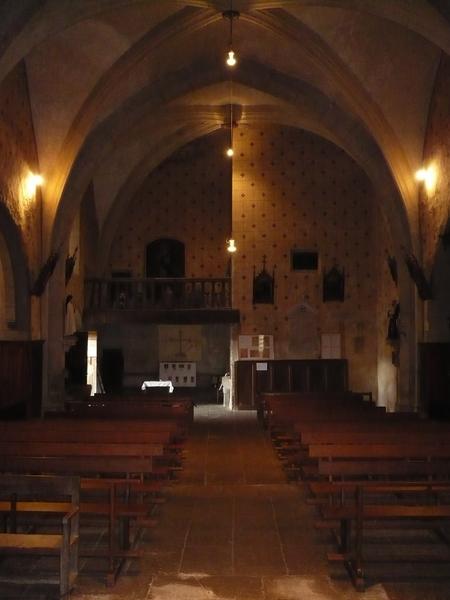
{"points": [[230, 151], [231, 60], [231, 247]]}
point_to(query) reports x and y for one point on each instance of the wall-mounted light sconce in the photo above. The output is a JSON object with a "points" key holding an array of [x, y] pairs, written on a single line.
{"points": [[421, 174], [32, 181], [231, 246], [427, 176]]}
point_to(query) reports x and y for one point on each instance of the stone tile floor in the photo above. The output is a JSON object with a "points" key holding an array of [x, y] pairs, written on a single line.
{"points": [[234, 529]]}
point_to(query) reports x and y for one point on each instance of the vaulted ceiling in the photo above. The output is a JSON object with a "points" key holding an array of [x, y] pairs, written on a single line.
{"points": [[118, 85]]}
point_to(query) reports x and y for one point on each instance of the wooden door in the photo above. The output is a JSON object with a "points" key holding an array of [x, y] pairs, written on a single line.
{"points": [[434, 379]]}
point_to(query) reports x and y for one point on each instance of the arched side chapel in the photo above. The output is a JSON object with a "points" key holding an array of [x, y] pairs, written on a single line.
{"points": [[331, 132]]}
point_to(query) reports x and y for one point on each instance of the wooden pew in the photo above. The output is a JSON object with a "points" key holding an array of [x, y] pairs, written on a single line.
{"points": [[276, 406], [382, 436], [109, 457], [284, 417], [364, 463], [74, 448], [124, 474], [35, 494], [172, 447], [149, 399], [120, 409], [316, 431], [49, 431], [68, 424], [404, 451], [339, 472], [152, 395], [338, 458], [422, 463], [368, 508], [52, 434], [164, 464]]}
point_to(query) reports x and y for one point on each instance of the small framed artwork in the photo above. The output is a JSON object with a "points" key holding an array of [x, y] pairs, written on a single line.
{"points": [[252, 347], [304, 260], [334, 285], [331, 345], [263, 285]]}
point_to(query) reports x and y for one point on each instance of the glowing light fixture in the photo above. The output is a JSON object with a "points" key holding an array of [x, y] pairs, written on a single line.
{"points": [[428, 176], [421, 174], [231, 247], [231, 60], [231, 14], [230, 150], [32, 181]]}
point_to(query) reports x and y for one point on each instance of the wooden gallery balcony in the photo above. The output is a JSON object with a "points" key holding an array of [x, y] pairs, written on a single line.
{"points": [[159, 300]]}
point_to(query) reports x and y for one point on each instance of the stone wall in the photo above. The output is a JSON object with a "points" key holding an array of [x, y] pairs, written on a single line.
{"points": [[141, 346], [291, 190], [18, 157], [435, 208], [186, 198], [83, 239]]}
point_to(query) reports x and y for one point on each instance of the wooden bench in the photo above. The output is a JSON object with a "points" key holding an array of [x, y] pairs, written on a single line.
{"points": [[377, 450], [362, 465], [367, 507], [153, 452], [152, 399], [138, 409], [170, 441], [70, 426], [289, 411], [290, 418], [37, 493], [278, 407], [121, 481], [347, 460], [166, 434], [373, 437], [418, 468]]}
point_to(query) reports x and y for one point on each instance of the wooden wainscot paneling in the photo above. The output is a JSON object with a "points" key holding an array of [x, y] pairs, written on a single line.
{"points": [[253, 377], [20, 378]]}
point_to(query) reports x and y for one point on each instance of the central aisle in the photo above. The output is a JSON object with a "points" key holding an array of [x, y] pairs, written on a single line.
{"points": [[233, 529]]}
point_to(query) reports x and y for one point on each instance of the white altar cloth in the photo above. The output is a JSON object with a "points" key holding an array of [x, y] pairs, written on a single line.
{"points": [[148, 384]]}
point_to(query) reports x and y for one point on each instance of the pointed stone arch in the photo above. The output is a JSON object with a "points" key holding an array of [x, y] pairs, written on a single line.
{"points": [[14, 277]]}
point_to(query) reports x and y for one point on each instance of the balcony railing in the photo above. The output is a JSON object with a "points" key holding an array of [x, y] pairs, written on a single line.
{"points": [[159, 293]]}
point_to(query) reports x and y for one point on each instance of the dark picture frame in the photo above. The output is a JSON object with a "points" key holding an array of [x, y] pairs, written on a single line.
{"points": [[263, 286], [304, 260], [334, 285]]}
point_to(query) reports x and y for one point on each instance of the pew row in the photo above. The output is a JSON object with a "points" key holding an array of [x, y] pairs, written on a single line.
{"points": [[364, 468], [117, 477], [126, 407], [125, 497], [36, 494], [426, 506]]}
